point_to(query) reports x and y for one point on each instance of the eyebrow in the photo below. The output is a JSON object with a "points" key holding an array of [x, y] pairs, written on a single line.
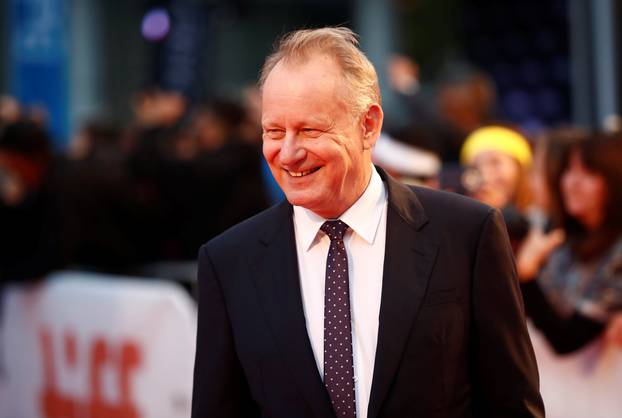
{"points": [[269, 121], [318, 120], [313, 120]]}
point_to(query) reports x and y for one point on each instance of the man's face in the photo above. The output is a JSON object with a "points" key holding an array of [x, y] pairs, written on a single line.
{"points": [[317, 150]]}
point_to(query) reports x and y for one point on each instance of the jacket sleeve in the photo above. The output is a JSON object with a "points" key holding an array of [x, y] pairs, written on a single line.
{"points": [[506, 381], [220, 387], [565, 334]]}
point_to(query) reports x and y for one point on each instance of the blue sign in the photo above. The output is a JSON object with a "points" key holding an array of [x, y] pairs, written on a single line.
{"points": [[38, 57]]}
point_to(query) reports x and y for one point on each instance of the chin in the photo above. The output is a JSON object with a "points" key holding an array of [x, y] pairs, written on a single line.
{"points": [[302, 200], [298, 199], [576, 213]]}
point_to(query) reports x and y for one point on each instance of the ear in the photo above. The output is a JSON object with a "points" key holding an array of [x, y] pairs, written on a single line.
{"points": [[372, 124]]}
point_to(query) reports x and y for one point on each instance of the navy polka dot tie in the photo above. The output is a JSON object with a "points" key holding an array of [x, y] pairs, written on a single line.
{"points": [[338, 364]]}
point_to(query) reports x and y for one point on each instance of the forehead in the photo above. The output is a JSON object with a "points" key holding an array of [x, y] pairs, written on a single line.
{"points": [[493, 155], [314, 87], [576, 161]]}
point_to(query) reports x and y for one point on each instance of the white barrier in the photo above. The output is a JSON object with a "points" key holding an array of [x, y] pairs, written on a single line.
{"points": [[584, 384], [82, 345], [91, 346]]}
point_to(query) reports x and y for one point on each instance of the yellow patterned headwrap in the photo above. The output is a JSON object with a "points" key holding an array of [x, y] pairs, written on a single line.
{"points": [[496, 138]]}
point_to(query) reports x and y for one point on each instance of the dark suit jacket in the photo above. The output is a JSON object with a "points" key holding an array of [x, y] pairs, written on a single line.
{"points": [[452, 340]]}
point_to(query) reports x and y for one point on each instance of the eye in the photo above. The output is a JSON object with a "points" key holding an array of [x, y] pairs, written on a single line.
{"points": [[274, 133], [311, 132]]}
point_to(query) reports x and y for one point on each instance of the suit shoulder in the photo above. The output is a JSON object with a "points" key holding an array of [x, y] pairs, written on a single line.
{"points": [[451, 206], [249, 230]]}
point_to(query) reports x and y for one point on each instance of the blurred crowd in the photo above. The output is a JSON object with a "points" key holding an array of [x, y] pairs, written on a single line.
{"points": [[560, 192], [121, 197]]}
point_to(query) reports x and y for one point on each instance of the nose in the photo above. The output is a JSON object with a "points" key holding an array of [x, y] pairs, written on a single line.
{"points": [[291, 152], [571, 180], [487, 173]]}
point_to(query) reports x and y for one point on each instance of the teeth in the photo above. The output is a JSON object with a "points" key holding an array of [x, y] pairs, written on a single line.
{"points": [[300, 174]]}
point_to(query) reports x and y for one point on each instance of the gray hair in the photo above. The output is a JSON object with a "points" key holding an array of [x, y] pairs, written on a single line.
{"points": [[338, 42]]}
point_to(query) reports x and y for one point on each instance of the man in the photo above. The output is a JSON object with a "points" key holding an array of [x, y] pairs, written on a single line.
{"points": [[359, 296]]}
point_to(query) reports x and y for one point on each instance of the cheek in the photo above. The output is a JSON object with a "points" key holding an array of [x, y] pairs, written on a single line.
{"points": [[594, 190], [492, 175], [537, 182], [565, 185], [569, 191], [270, 150], [509, 172]]}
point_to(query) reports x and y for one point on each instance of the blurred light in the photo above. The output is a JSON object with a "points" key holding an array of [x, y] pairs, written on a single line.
{"points": [[532, 126], [517, 104], [613, 124], [549, 103], [156, 24]]}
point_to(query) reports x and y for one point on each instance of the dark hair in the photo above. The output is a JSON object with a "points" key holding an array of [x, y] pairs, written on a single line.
{"points": [[600, 153]]}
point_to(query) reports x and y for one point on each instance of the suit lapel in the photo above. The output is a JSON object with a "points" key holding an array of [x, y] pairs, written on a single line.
{"points": [[277, 283], [410, 252]]}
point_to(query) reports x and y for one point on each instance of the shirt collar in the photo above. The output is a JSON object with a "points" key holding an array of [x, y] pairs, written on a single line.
{"points": [[363, 217]]}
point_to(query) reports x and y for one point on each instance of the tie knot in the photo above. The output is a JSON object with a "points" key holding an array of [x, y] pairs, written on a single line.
{"points": [[334, 229]]}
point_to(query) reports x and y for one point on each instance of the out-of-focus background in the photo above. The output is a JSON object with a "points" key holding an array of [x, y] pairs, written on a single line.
{"points": [[130, 135]]}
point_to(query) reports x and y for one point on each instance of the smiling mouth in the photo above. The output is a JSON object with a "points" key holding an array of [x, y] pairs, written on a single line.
{"points": [[302, 173]]}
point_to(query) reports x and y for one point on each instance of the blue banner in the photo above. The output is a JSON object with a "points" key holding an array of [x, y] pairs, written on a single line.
{"points": [[38, 30]]}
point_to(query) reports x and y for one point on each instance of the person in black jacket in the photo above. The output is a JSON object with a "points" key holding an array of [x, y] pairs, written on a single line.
{"points": [[358, 293]]}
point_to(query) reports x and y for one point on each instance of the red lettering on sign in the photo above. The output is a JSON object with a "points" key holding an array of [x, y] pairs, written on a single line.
{"points": [[124, 358]]}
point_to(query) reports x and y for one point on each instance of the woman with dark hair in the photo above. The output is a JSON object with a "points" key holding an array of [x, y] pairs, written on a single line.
{"points": [[571, 277]]}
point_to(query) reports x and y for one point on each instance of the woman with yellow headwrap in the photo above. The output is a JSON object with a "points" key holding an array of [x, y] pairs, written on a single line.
{"points": [[498, 160]]}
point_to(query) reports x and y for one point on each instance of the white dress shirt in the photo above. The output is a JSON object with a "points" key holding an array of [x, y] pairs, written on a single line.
{"points": [[365, 243]]}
